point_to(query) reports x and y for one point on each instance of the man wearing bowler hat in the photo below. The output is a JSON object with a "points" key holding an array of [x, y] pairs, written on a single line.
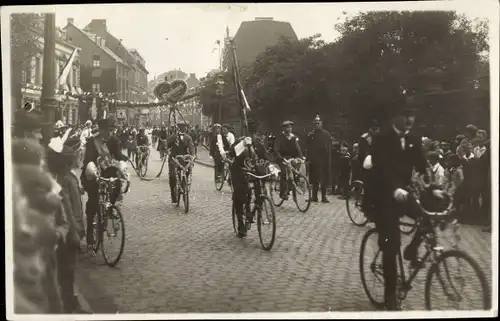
{"points": [[395, 154]]}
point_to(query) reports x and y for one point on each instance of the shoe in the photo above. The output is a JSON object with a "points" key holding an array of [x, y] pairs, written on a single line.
{"points": [[314, 200], [174, 201], [242, 230], [284, 197], [325, 201]]}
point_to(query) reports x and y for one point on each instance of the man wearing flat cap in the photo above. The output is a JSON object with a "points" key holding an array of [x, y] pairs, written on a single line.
{"points": [[319, 145], [395, 154], [287, 146]]}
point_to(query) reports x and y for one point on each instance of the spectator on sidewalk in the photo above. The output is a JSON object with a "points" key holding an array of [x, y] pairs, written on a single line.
{"points": [[63, 159], [344, 171]]}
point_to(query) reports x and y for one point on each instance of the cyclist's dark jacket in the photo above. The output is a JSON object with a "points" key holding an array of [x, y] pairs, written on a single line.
{"points": [[142, 140], [287, 148], [180, 144]]}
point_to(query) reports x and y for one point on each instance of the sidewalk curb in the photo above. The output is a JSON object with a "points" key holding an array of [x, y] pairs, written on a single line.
{"points": [[92, 296]]}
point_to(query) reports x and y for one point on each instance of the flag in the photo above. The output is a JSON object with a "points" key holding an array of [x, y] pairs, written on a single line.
{"points": [[65, 72], [240, 94]]}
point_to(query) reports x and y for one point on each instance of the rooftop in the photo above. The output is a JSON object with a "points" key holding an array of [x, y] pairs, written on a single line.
{"points": [[106, 49]]}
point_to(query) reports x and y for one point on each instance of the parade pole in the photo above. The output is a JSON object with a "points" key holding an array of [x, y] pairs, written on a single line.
{"points": [[49, 103], [236, 75]]}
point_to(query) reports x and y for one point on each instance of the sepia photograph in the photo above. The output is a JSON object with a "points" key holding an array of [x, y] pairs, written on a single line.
{"points": [[251, 160]]}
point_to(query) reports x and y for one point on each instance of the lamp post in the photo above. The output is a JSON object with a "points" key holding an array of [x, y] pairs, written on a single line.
{"points": [[220, 86], [49, 103]]}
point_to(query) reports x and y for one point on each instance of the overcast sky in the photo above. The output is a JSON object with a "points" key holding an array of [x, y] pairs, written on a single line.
{"points": [[192, 29]]}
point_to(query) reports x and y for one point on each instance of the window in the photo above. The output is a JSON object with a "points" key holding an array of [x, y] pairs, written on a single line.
{"points": [[38, 64], [96, 88], [96, 62], [23, 76]]}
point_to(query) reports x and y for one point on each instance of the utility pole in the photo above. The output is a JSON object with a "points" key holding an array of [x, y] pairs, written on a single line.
{"points": [[49, 103]]}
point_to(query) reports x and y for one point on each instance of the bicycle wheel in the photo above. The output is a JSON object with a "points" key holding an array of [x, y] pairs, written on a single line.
{"points": [[275, 192], [143, 165], [407, 225], [451, 283], [185, 194], [266, 220], [353, 204], [219, 183], [114, 233], [97, 230], [178, 190], [301, 193], [370, 265]]}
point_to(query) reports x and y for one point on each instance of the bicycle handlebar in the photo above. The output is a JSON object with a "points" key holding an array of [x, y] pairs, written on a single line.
{"points": [[183, 157], [289, 161], [114, 179]]}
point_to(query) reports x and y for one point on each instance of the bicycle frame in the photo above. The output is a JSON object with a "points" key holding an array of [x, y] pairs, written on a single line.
{"points": [[432, 253], [182, 170]]}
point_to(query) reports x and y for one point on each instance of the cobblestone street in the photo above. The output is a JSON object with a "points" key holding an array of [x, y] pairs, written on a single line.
{"points": [[177, 262]]}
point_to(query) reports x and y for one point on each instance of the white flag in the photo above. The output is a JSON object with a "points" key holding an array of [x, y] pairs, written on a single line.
{"points": [[245, 101], [65, 72]]}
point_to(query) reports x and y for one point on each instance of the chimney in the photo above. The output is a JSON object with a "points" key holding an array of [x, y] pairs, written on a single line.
{"points": [[71, 21], [192, 75]]}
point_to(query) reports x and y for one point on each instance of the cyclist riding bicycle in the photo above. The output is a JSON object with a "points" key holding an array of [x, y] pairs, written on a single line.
{"points": [[179, 143], [248, 155], [101, 153], [287, 146], [142, 141], [224, 141], [396, 154]]}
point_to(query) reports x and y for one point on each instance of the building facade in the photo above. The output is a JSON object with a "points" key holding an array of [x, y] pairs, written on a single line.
{"points": [[133, 80], [102, 72], [32, 76]]}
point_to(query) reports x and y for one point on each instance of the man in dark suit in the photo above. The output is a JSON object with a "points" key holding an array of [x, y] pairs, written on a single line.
{"points": [[179, 143], [365, 148], [395, 154], [319, 144]]}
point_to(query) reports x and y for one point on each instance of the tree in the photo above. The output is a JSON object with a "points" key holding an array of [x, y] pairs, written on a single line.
{"points": [[379, 60], [24, 45]]}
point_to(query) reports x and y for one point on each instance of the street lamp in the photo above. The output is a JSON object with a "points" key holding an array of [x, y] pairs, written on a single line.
{"points": [[219, 91]]}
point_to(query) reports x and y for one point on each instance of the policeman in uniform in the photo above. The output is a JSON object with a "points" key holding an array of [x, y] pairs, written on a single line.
{"points": [[318, 151], [287, 146], [179, 143]]}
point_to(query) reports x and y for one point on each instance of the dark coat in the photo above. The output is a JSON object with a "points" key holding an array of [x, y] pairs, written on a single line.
{"points": [[392, 165], [319, 146]]}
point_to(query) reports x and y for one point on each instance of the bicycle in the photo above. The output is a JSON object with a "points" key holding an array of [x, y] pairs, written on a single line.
{"points": [[356, 212], [260, 202], [295, 181], [434, 254], [183, 181], [108, 211], [142, 158], [226, 175]]}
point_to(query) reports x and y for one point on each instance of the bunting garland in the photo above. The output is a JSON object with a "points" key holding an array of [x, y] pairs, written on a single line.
{"points": [[110, 98]]}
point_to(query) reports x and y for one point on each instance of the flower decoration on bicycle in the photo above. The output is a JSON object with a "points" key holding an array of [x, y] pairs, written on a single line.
{"points": [[249, 190]]}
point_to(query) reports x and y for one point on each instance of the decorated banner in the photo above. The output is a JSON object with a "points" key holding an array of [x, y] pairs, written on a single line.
{"points": [[171, 92]]}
